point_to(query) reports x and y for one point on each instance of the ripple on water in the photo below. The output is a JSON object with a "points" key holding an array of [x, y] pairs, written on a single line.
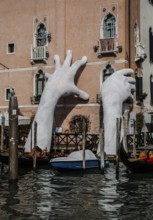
{"points": [[46, 195]]}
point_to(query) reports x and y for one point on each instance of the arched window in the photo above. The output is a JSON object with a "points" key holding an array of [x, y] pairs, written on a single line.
{"points": [[109, 26], [107, 71], [41, 35], [40, 81]]}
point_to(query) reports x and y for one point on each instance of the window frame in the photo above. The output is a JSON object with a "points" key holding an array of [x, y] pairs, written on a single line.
{"points": [[109, 26], [9, 52], [151, 89], [7, 98], [37, 80], [151, 45], [45, 35]]}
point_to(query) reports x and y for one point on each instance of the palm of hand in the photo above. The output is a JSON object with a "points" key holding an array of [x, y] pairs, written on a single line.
{"points": [[119, 86], [115, 90]]}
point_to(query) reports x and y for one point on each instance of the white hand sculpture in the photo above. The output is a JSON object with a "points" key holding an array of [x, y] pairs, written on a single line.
{"points": [[115, 90], [61, 82]]}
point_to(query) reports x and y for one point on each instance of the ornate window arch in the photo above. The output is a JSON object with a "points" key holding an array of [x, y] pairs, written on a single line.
{"points": [[109, 26], [41, 35], [41, 39], [40, 81]]}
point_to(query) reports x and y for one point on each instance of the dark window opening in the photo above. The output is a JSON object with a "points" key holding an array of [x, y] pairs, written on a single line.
{"points": [[10, 48], [139, 88], [151, 90], [151, 44], [8, 93], [40, 81], [41, 36]]}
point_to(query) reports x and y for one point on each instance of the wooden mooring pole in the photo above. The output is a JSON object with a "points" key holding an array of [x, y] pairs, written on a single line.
{"points": [[31, 140], [2, 132], [102, 153], [134, 138], [13, 139], [35, 145], [145, 136], [118, 132], [84, 144]]}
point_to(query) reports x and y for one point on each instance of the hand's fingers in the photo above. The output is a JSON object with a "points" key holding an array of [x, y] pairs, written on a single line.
{"points": [[131, 80], [68, 60], [125, 72], [74, 68], [81, 93], [57, 62]]}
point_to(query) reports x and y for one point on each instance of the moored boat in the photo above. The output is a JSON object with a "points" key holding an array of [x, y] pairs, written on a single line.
{"points": [[74, 161], [136, 165], [25, 161]]}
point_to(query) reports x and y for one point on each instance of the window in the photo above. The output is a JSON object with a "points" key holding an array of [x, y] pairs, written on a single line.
{"points": [[108, 41], [11, 48], [8, 93], [109, 26], [151, 44], [39, 52], [151, 89], [41, 35], [40, 81], [139, 87], [107, 72]]}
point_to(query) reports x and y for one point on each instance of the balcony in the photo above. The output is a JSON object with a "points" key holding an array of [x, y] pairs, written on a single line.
{"points": [[39, 54], [35, 100], [109, 46], [106, 45]]}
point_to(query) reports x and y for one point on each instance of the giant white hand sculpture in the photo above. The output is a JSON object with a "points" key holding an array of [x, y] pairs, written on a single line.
{"points": [[61, 82], [115, 90]]}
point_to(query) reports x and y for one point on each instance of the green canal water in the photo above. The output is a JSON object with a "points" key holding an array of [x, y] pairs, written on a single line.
{"points": [[44, 194]]}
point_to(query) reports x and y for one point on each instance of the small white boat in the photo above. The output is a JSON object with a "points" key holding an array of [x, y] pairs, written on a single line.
{"points": [[74, 161]]}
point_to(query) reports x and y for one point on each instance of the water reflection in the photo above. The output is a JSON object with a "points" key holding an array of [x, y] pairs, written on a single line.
{"points": [[43, 194]]}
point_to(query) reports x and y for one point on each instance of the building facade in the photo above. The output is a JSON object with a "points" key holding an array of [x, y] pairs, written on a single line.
{"points": [[31, 32], [146, 32]]}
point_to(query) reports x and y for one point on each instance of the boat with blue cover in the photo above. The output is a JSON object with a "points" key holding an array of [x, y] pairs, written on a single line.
{"points": [[74, 161]]}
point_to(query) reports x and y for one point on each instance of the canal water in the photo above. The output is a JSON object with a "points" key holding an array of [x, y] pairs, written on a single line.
{"points": [[45, 194]]}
